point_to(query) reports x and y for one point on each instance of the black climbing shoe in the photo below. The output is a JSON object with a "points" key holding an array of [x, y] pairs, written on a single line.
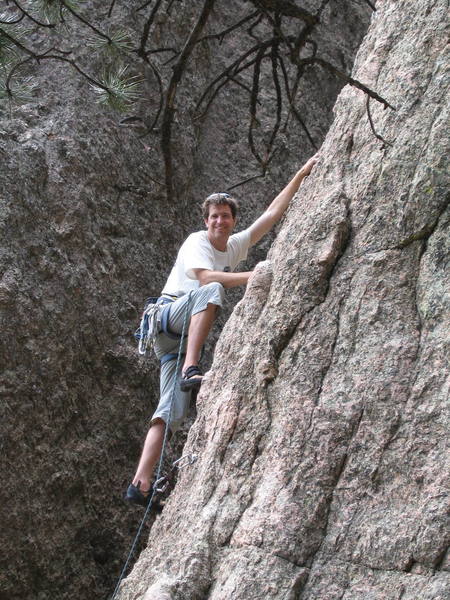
{"points": [[135, 496], [191, 379]]}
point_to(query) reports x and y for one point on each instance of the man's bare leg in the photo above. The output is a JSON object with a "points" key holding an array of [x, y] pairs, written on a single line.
{"points": [[199, 328], [150, 454]]}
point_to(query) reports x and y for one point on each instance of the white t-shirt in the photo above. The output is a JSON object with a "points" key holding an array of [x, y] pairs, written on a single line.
{"points": [[197, 252]]}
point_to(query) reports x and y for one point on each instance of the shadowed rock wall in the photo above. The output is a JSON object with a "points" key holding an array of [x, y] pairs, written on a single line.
{"points": [[322, 426], [86, 235]]}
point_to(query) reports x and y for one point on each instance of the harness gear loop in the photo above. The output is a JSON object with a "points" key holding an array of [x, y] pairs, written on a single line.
{"points": [[147, 330]]}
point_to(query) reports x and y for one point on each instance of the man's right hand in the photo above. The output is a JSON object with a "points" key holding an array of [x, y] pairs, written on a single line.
{"points": [[309, 164]]}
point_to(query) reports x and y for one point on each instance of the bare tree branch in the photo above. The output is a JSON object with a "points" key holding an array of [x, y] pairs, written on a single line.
{"points": [[279, 98], [225, 32], [226, 79], [174, 51], [290, 96], [234, 186], [147, 27], [161, 94], [231, 68], [169, 108], [286, 8], [372, 6], [341, 75], [143, 5], [111, 8], [253, 98], [278, 46], [253, 25], [242, 85], [377, 135]]}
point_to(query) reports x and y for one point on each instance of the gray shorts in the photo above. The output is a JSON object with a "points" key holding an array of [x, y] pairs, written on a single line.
{"points": [[173, 403]]}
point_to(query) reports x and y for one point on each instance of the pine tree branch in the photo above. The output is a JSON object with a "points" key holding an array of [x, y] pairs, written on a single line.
{"points": [[33, 19], [32, 55], [85, 21], [17, 43], [22, 16]]}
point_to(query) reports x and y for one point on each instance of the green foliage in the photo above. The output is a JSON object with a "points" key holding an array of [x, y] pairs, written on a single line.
{"points": [[113, 87], [52, 11], [9, 28], [119, 90], [7, 48], [119, 41], [12, 35], [21, 90]]}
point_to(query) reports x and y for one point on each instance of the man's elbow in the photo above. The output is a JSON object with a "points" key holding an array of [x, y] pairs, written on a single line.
{"points": [[204, 277]]}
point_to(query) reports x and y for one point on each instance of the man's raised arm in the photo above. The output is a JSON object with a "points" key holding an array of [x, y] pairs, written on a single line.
{"points": [[275, 211]]}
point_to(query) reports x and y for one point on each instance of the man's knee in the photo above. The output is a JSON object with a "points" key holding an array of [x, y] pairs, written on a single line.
{"points": [[216, 289]]}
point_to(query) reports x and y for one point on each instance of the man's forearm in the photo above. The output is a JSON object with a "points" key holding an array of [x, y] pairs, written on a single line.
{"points": [[281, 202], [278, 206], [228, 280]]}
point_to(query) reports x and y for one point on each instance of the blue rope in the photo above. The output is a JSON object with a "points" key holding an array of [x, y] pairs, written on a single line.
{"points": [[158, 472]]}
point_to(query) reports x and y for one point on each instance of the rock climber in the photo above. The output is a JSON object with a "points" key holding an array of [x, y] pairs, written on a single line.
{"points": [[205, 267]]}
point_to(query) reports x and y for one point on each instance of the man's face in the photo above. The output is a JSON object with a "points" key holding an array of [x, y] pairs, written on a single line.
{"points": [[220, 223]]}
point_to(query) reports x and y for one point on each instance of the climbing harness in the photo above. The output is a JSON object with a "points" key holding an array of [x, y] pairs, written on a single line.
{"points": [[153, 321], [161, 482]]}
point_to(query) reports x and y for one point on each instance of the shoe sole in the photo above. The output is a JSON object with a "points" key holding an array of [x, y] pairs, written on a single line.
{"points": [[190, 384]]}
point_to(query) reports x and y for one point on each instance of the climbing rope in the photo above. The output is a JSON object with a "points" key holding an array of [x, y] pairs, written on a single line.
{"points": [[177, 463]]}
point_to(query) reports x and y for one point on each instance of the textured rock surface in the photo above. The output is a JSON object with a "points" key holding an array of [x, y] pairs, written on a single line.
{"points": [[321, 429], [86, 235]]}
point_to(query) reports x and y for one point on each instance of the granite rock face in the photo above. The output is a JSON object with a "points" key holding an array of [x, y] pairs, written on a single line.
{"points": [[86, 235], [322, 425]]}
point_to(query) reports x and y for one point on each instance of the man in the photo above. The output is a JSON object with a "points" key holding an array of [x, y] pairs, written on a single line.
{"points": [[195, 288]]}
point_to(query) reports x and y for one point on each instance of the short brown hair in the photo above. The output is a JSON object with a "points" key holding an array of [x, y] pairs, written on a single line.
{"points": [[217, 199]]}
